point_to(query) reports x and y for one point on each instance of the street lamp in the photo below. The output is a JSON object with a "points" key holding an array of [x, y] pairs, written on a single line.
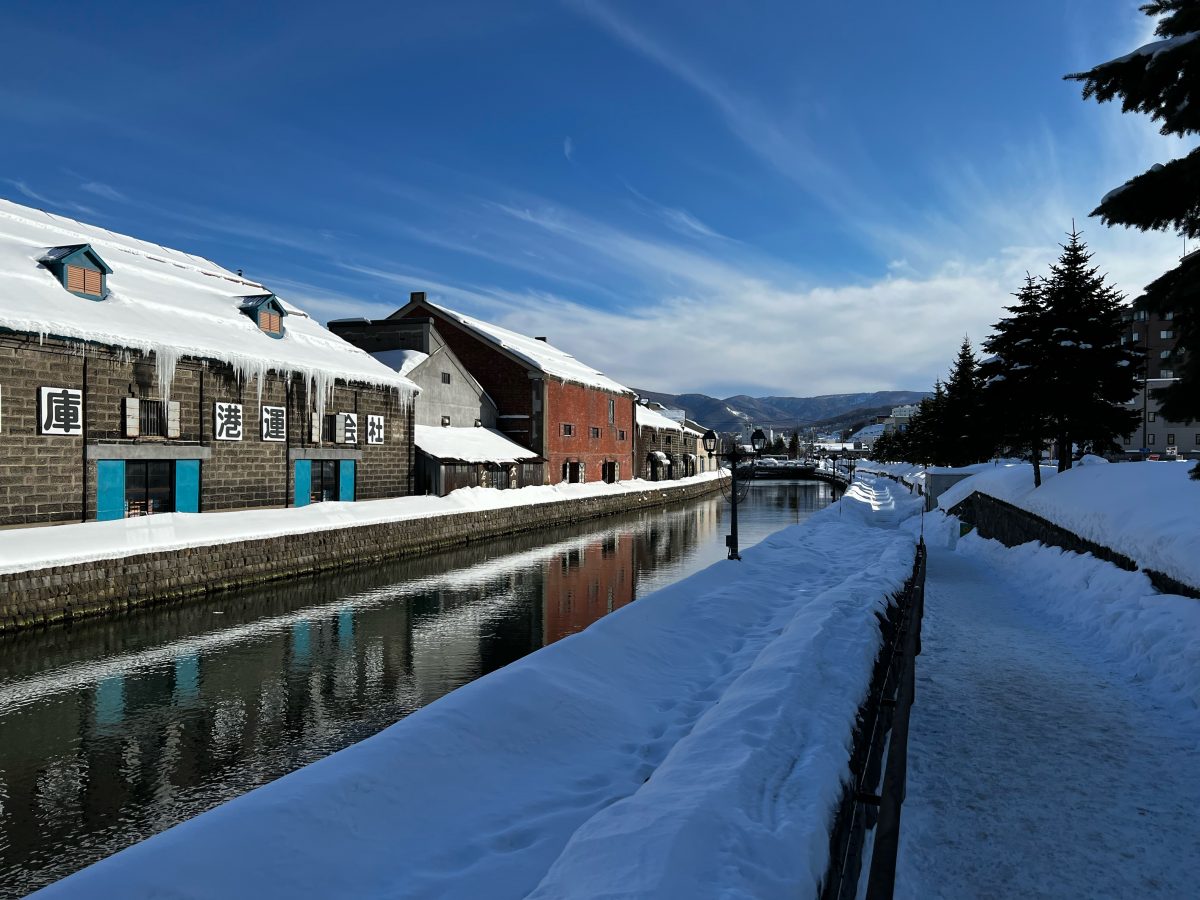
{"points": [[737, 455]]}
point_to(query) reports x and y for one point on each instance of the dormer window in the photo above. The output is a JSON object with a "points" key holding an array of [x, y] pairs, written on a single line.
{"points": [[267, 313], [80, 270]]}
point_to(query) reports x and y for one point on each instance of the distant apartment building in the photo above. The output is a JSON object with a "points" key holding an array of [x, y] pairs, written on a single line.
{"points": [[1153, 335]]}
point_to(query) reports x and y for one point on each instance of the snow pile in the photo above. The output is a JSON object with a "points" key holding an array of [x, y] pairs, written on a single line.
{"points": [[652, 418], [22, 549], [1154, 637], [474, 445], [691, 744], [1145, 511], [538, 354], [168, 303], [402, 361]]}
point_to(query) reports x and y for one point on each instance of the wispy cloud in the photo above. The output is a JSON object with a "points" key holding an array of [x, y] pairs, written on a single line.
{"points": [[108, 192], [568, 148], [47, 202], [679, 220]]}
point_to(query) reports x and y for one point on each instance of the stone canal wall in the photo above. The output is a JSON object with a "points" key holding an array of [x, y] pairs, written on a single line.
{"points": [[62, 593], [1012, 526]]}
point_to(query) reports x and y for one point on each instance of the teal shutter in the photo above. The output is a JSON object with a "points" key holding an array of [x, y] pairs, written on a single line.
{"points": [[110, 489], [303, 483], [346, 479], [187, 485]]}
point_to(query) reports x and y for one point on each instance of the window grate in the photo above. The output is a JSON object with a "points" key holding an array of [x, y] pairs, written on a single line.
{"points": [[152, 418]]}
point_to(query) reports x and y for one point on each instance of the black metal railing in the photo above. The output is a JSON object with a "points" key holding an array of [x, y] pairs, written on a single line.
{"points": [[879, 758]]}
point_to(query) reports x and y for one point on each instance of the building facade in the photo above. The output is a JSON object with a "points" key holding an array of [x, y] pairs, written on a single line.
{"points": [[663, 446], [579, 421], [1153, 335], [137, 380]]}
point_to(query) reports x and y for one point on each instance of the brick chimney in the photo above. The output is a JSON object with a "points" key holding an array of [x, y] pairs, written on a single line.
{"points": [[416, 296]]}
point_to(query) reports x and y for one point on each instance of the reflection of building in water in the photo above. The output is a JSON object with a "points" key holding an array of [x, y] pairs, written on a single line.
{"points": [[586, 582]]}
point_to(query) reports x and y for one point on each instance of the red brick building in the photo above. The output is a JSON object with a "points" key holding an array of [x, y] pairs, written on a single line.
{"points": [[576, 418]]}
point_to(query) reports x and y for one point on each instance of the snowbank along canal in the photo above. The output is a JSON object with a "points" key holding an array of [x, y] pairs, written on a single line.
{"points": [[114, 729]]}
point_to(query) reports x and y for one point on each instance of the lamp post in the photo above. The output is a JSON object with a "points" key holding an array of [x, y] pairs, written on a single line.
{"points": [[737, 455]]}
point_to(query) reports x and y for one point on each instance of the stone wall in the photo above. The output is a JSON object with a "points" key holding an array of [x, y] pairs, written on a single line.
{"points": [[52, 478], [65, 592], [1013, 526]]}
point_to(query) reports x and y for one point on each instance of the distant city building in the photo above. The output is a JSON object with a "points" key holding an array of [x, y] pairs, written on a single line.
{"points": [[1154, 336]]}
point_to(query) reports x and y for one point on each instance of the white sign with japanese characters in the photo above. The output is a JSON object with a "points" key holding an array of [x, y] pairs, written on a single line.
{"points": [[374, 429], [349, 428], [227, 421], [60, 411], [274, 423]]}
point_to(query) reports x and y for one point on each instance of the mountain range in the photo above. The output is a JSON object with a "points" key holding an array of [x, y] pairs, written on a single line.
{"points": [[827, 413]]}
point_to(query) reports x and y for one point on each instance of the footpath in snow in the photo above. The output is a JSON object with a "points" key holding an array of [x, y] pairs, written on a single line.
{"points": [[1055, 739], [688, 745], [22, 549]]}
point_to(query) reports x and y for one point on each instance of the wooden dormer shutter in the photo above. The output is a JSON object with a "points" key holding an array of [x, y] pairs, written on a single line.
{"points": [[269, 321], [91, 281], [76, 280]]}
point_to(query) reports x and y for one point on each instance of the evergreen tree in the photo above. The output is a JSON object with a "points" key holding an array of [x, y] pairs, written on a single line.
{"points": [[1014, 390], [962, 440], [923, 441], [794, 445], [1090, 375], [1160, 80]]}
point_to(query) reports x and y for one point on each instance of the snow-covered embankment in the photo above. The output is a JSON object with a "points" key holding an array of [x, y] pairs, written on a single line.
{"points": [[691, 744]]}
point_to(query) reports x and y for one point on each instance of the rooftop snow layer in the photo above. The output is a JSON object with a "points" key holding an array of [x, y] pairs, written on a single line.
{"points": [[539, 354], [402, 361], [652, 418], [166, 302], [476, 445]]}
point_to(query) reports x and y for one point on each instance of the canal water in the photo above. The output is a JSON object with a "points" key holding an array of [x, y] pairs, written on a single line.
{"points": [[114, 729]]}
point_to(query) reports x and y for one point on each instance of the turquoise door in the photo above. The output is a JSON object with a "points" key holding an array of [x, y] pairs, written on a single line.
{"points": [[302, 483], [110, 489], [187, 485], [346, 479]]}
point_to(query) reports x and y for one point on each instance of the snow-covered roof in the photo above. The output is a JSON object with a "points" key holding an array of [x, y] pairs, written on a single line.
{"points": [[652, 418], [474, 445], [660, 456], [402, 361], [540, 355], [163, 301]]}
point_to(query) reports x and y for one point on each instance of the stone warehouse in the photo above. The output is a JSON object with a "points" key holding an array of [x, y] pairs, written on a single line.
{"points": [[135, 379], [576, 419]]}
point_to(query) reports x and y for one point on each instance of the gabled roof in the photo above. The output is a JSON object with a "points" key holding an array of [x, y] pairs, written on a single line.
{"points": [[62, 254], [163, 301], [253, 303], [652, 418], [470, 445], [539, 355]]}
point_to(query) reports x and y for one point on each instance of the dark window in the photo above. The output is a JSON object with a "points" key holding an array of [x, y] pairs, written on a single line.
{"points": [[1198, 438], [329, 428], [324, 480], [595, 432], [1170, 440], [670, 440], [445, 421], [568, 430], [612, 411], [1150, 439], [445, 378], [148, 487], [1166, 335], [152, 418], [1150, 417], [620, 435]]}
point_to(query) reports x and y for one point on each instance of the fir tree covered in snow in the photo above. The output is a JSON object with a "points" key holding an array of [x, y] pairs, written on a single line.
{"points": [[1162, 79], [1014, 389], [1090, 375], [964, 434]]}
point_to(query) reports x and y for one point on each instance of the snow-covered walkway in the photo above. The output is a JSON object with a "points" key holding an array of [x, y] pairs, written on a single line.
{"points": [[1038, 766]]}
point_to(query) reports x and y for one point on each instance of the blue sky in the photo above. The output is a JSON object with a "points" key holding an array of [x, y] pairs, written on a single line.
{"points": [[771, 198]]}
